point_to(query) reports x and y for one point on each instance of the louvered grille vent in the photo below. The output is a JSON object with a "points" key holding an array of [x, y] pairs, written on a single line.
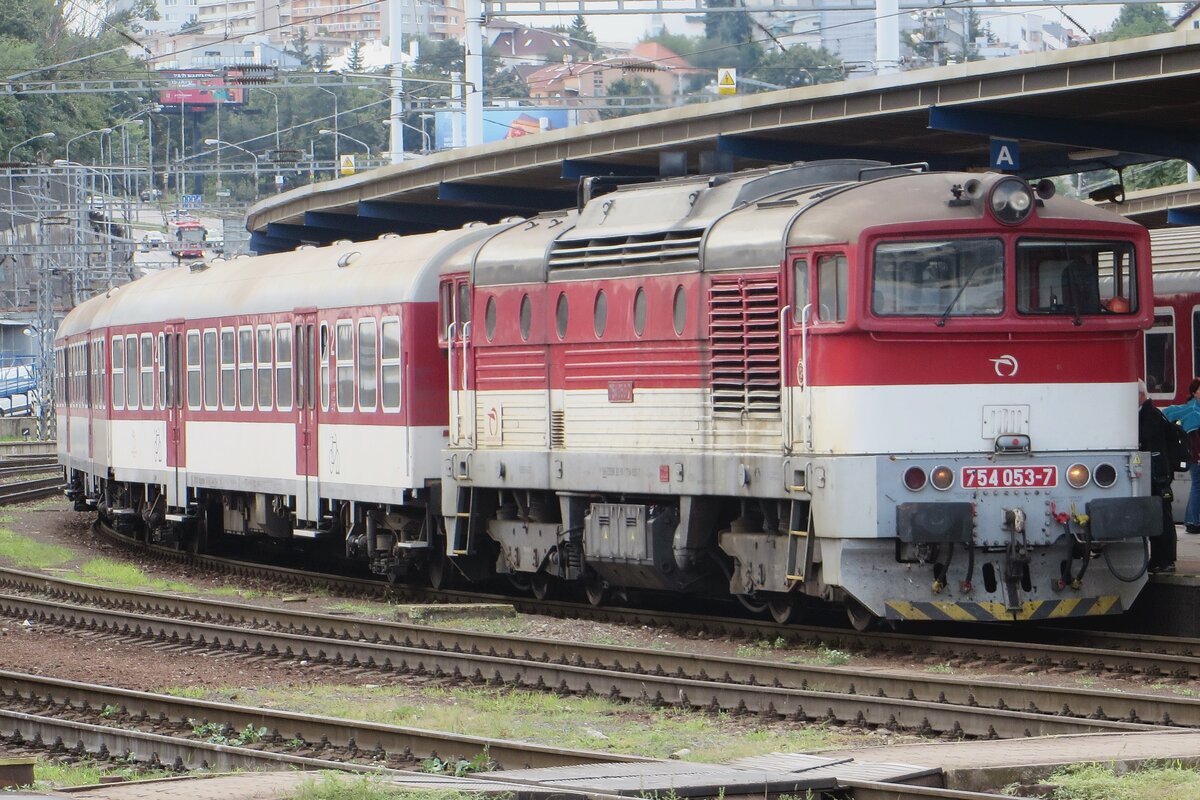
{"points": [[558, 430], [743, 323], [666, 247]]}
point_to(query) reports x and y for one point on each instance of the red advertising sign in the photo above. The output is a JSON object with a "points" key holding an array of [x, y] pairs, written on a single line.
{"points": [[198, 87]]}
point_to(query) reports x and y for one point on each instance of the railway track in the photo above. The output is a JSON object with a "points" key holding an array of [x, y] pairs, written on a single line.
{"points": [[195, 734], [926, 703], [1084, 651]]}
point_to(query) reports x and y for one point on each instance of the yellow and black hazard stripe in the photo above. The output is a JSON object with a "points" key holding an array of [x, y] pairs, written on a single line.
{"points": [[987, 611]]}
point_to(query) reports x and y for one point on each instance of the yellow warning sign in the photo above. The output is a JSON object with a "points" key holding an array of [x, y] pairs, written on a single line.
{"points": [[726, 80], [347, 165]]}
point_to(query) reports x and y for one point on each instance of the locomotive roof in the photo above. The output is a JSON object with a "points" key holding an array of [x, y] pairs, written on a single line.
{"points": [[391, 269], [739, 221]]}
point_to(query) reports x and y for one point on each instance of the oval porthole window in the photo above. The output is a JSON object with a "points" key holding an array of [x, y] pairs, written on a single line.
{"points": [[600, 318], [526, 317], [562, 313], [489, 318], [680, 310], [639, 312]]}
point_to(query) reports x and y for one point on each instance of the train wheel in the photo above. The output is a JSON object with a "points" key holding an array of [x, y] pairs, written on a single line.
{"points": [[751, 603], [596, 590], [543, 586], [862, 619], [782, 608]]}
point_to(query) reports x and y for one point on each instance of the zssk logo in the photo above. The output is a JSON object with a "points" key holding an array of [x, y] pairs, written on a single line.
{"points": [[1006, 366]]}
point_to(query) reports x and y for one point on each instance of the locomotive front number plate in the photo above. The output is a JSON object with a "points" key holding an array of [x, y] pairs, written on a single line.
{"points": [[1009, 477]]}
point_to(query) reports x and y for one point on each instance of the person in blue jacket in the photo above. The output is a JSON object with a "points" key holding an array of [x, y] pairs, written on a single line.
{"points": [[1188, 415]]}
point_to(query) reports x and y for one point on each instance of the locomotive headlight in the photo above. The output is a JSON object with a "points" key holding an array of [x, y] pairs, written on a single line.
{"points": [[914, 478], [942, 478], [1077, 475], [1105, 475], [1011, 201]]}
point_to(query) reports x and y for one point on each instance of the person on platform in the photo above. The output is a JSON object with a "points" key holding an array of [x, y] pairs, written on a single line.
{"points": [[1188, 415], [1153, 431]]}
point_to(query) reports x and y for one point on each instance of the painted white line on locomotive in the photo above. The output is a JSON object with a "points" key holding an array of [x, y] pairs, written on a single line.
{"points": [[950, 418]]}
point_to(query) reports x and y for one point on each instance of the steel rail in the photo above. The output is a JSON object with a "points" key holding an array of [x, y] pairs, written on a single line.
{"points": [[1065, 701], [846, 706], [1127, 654], [329, 732], [29, 490]]}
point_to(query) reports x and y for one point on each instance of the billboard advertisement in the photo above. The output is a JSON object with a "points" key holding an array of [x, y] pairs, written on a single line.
{"points": [[198, 88], [502, 123]]}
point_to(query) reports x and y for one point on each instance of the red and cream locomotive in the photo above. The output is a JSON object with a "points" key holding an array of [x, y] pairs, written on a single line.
{"points": [[913, 393]]}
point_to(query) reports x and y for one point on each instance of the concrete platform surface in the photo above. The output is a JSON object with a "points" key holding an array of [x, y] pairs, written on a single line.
{"points": [[982, 765]]}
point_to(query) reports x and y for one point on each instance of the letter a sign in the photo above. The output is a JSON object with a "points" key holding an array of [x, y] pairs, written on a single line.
{"points": [[726, 80], [1006, 154]]}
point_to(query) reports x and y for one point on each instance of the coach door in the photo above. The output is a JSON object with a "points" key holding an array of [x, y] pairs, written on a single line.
{"points": [[456, 308], [172, 396], [306, 411]]}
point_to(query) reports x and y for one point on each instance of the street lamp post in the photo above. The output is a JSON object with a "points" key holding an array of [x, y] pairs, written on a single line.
{"points": [[47, 135], [327, 132], [425, 132], [336, 152], [221, 142], [80, 136], [275, 97]]}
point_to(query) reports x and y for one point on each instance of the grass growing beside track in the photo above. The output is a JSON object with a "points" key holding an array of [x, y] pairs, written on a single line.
{"points": [[592, 723], [25, 553], [1103, 782], [49, 776], [336, 786]]}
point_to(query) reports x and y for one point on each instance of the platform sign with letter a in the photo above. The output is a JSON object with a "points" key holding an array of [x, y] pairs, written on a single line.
{"points": [[1006, 154], [726, 80], [346, 165]]}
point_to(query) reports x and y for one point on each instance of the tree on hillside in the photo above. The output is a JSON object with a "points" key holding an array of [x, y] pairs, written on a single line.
{"points": [[299, 48], [623, 89], [582, 39], [730, 36], [322, 61], [355, 61], [1137, 20], [799, 65]]}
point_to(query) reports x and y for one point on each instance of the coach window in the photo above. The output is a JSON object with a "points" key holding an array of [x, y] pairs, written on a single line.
{"points": [[1160, 352], [800, 291], [265, 381], [489, 318], [245, 366], [162, 372], [193, 370], [132, 368], [526, 317], [147, 348], [562, 315], [98, 373], [600, 314], [228, 369], [345, 365], [211, 365], [324, 366], [639, 312], [832, 290], [118, 374], [390, 361], [368, 381], [283, 368], [679, 310]]}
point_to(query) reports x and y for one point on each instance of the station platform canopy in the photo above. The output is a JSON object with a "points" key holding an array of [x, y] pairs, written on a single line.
{"points": [[1109, 105]]}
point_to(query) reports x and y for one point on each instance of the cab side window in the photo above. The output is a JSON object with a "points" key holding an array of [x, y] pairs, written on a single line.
{"points": [[833, 295]]}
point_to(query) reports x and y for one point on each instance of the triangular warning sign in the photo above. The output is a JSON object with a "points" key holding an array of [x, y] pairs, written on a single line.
{"points": [[726, 80]]}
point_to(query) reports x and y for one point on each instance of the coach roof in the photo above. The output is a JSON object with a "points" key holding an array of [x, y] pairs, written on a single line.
{"points": [[387, 270]]}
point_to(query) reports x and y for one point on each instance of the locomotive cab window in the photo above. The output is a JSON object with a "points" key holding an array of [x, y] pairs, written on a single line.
{"points": [[833, 293], [946, 278], [1075, 278], [801, 295]]}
